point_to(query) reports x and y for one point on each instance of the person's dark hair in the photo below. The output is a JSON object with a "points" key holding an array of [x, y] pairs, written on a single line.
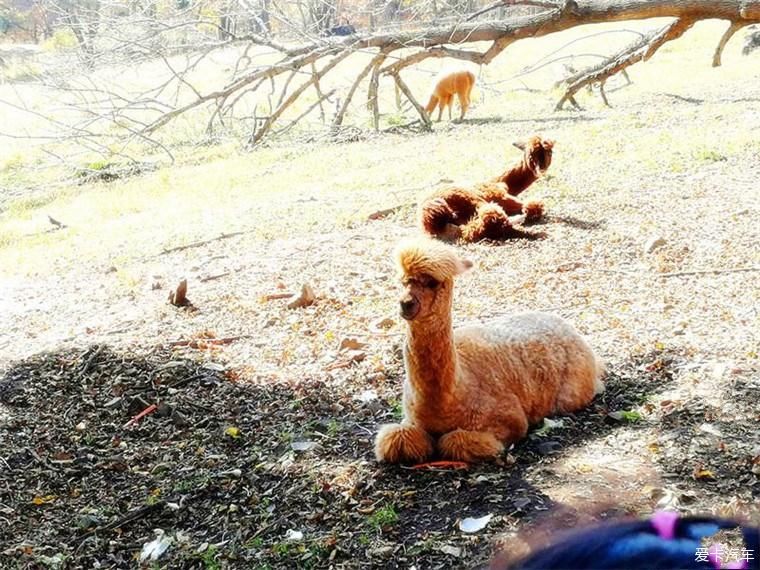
{"points": [[666, 542]]}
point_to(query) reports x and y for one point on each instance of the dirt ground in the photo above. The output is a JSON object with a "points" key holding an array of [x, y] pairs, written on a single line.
{"points": [[259, 453]]}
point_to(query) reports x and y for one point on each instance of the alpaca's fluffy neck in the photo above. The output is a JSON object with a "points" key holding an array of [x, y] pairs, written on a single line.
{"points": [[431, 359], [519, 177]]}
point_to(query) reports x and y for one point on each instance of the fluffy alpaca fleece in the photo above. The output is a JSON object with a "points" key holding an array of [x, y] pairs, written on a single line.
{"points": [[482, 211], [470, 391]]}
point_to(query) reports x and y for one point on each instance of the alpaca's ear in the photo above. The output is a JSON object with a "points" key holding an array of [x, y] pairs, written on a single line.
{"points": [[464, 265], [548, 144], [519, 144]]}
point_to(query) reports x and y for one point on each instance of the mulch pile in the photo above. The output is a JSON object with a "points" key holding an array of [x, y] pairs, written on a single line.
{"points": [[233, 475]]}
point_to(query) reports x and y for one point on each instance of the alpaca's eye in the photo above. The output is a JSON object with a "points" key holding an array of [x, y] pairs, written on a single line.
{"points": [[430, 283]]}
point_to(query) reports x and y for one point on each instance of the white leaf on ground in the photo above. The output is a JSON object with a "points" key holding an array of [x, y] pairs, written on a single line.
{"points": [[155, 548], [367, 396], [303, 445], [293, 535], [474, 525]]}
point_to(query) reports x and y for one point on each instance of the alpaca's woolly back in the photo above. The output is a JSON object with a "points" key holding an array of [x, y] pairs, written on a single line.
{"points": [[540, 358], [427, 257]]}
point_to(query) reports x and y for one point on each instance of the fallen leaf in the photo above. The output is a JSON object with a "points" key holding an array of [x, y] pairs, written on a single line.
{"points": [[625, 416], [44, 500], [306, 298], [350, 343], [548, 425], [233, 432], [385, 323], [703, 474]]}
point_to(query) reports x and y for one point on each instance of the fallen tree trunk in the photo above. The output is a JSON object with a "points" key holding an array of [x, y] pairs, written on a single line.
{"points": [[390, 53], [444, 43]]}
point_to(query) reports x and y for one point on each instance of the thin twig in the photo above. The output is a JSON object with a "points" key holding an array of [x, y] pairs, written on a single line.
{"points": [[196, 342], [708, 272], [204, 242]]}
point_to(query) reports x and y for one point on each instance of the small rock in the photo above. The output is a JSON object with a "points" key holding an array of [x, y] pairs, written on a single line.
{"points": [[451, 550], [711, 429], [86, 522], [548, 447], [653, 243], [179, 419], [81, 426], [521, 502]]}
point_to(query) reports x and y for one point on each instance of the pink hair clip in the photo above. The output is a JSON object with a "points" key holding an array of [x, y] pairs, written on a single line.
{"points": [[664, 522]]}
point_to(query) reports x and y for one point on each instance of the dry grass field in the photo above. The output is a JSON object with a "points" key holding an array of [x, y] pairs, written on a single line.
{"points": [[267, 414]]}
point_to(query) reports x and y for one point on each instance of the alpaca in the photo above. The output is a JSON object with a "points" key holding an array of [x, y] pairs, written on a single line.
{"points": [[458, 82], [482, 211], [470, 391]]}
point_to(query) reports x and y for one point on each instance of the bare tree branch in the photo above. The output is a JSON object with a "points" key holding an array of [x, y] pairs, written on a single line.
{"points": [[639, 51], [728, 34], [420, 110]]}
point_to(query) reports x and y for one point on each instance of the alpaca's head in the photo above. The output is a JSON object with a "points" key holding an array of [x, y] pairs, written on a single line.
{"points": [[537, 153], [427, 269]]}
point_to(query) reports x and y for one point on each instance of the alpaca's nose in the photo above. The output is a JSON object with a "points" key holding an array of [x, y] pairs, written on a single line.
{"points": [[409, 307]]}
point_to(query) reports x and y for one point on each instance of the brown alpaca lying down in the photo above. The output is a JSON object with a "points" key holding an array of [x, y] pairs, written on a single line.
{"points": [[481, 211], [470, 391]]}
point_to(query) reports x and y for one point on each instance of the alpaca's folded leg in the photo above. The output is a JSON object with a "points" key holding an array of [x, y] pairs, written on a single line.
{"points": [[451, 233], [511, 206], [398, 443], [533, 211], [462, 445], [490, 222]]}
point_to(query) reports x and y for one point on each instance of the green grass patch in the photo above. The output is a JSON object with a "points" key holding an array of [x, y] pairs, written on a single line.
{"points": [[383, 517]]}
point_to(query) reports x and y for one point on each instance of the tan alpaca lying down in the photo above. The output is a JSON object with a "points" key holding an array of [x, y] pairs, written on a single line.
{"points": [[470, 391]]}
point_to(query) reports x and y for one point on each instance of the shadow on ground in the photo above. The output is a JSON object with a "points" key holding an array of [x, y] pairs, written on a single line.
{"points": [[233, 473]]}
